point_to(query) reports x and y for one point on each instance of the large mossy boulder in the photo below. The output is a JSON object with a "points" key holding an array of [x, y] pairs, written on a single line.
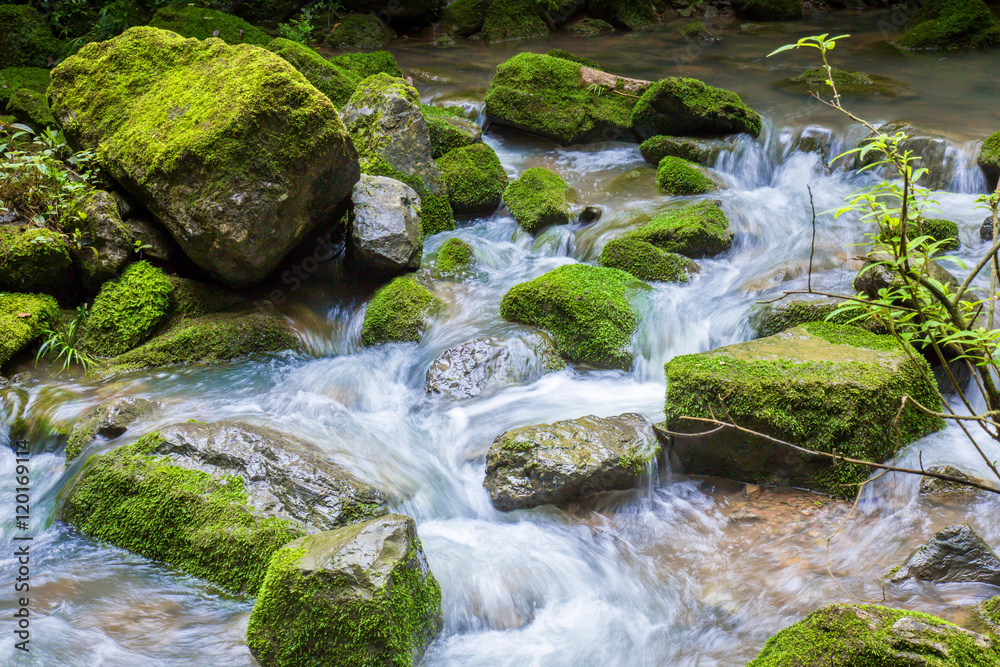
{"points": [[230, 147], [398, 313], [36, 259], [108, 420], [385, 228], [387, 125], [646, 262], [450, 128], [989, 159], [584, 308], [687, 107], [955, 554], [202, 23], [825, 387], [865, 635], [565, 461], [476, 180], [26, 40], [773, 318], [538, 199], [359, 31], [362, 595], [700, 230], [216, 500], [550, 97], [23, 319], [678, 177], [128, 311], [768, 10], [951, 25]]}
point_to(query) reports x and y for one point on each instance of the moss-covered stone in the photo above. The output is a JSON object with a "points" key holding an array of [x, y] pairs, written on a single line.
{"points": [[697, 31], [776, 317], [937, 229], [454, 256], [368, 64], [646, 262], [543, 95], [873, 636], [108, 420], [513, 19], [23, 318], [566, 55], [584, 308], [688, 107], [449, 129], [398, 313], [463, 18], [589, 27], [363, 594], [624, 14], [859, 84], [676, 176], [987, 613], [701, 151], [476, 180], [768, 10], [36, 260], [822, 386], [13, 79], [335, 82], [951, 25], [128, 311], [209, 339], [229, 147], [25, 40], [700, 230], [989, 159], [537, 199], [31, 107], [202, 23], [359, 31]]}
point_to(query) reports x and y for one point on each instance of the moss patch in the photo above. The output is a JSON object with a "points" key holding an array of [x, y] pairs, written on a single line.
{"points": [[202, 23], [31, 107], [989, 158], [397, 313], [454, 256], [537, 199], [25, 40], [566, 55], [937, 229], [368, 64], [35, 260], [688, 107], [186, 518], [359, 31], [335, 82], [645, 261], [475, 178], [127, 311], [449, 129], [585, 308], [951, 25], [463, 18], [775, 318], [23, 318], [513, 19], [676, 176], [700, 230], [13, 79], [987, 613]]}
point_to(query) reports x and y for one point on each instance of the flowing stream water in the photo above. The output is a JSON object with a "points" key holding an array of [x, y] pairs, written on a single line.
{"points": [[656, 576]]}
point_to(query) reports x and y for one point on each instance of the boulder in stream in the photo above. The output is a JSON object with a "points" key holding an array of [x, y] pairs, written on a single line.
{"points": [[937, 154], [951, 25], [385, 230], [647, 262], [557, 463], [476, 179], [855, 84], [23, 319], [701, 151], [236, 193], [538, 198], [934, 486], [108, 420], [454, 258], [875, 276], [216, 500], [955, 554], [361, 595], [449, 129], [856, 635], [822, 386], [678, 177], [696, 231], [688, 107], [989, 162], [398, 313]]}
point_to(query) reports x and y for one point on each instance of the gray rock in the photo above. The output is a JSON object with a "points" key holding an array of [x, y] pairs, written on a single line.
{"points": [[986, 231], [282, 476], [386, 229], [361, 595], [108, 420], [560, 462], [155, 242], [932, 485], [955, 554], [108, 236], [932, 148], [484, 365]]}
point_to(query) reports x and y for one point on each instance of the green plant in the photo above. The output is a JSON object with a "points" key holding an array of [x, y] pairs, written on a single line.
{"points": [[299, 29], [61, 344]]}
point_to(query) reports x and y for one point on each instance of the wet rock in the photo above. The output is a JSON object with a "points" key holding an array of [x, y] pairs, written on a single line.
{"points": [[955, 554], [857, 84], [154, 241], [933, 485], [687, 107], [385, 233], [700, 230], [987, 614], [775, 317], [364, 594], [235, 193], [931, 147], [23, 319], [989, 160], [951, 25], [986, 230], [538, 199], [821, 386], [483, 365], [108, 420], [476, 179], [398, 313], [110, 242], [647, 262], [216, 500], [589, 27], [701, 151], [589, 214], [556, 463], [680, 178], [874, 276], [860, 634]]}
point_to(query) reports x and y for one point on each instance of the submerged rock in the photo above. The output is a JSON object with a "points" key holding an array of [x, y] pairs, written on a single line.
{"points": [[871, 635], [385, 231], [955, 554], [951, 24], [216, 500], [687, 107], [538, 199], [108, 420], [484, 365], [360, 595], [235, 193], [700, 230], [23, 319], [556, 463], [398, 313], [858, 84], [821, 386]]}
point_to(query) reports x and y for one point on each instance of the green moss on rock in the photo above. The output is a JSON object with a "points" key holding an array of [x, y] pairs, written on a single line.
{"points": [[814, 80], [129, 310], [514, 19], [359, 31], [701, 151], [874, 636], [645, 261], [676, 176], [584, 308], [449, 128], [951, 25], [25, 38], [369, 64], [36, 260], [183, 517], [776, 317], [537, 199], [698, 31], [13, 79], [202, 23], [989, 159], [335, 82], [687, 107], [31, 107], [589, 27], [768, 10], [475, 178], [937, 229], [398, 313], [987, 613], [700, 230], [23, 318], [463, 18], [455, 255], [624, 14], [566, 55]]}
